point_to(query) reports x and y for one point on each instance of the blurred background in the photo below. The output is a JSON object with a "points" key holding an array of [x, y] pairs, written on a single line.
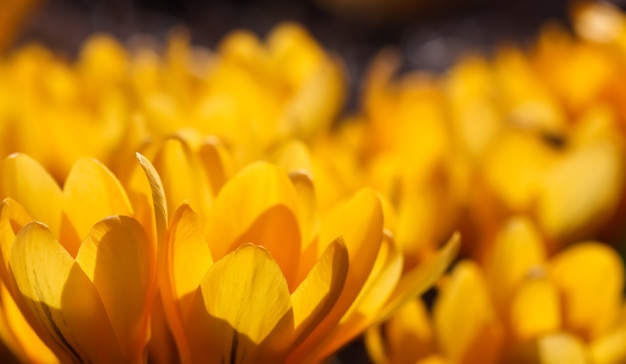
{"points": [[431, 34]]}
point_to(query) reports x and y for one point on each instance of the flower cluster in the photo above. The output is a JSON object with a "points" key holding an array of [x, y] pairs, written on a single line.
{"points": [[179, 204]]}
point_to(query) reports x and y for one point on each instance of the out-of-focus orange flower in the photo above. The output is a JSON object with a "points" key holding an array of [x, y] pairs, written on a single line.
{"points": [[522, 307]]}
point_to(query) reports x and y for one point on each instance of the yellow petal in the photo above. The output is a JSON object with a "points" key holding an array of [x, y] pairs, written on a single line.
{"points": [[609, 348], [245, 313], [570, 203], [27, 182], [188, 254], [60, 302], [517, 250], [410, 333], [257, 206], [217, 161], [182, 176], [373, 296], [91, 193], [590, 277], [515, 183], [187, 259], [535, 309], [319, 291], [360, 224], [561, 348], [18, 335], [421, 278], [121, 262], [376, 346], [464, 319], [13, 218], [159, 202]]}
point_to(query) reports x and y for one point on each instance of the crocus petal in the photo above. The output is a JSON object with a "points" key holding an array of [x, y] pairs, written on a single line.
{"points": [[258, 206], [13, 218], [120, 261], [535, 309], [515, 183], [18, 335], [91, 193], [609, 348], [158, 198], [319, 291], [517, 250], [422, 277], [366, 306], [217, 161], [186, 260], [188, 255], [376, 346], [26, 181], [571, 203], [60, 302], [251, 320], [561, 348], [464, 318], [410, 333], [590, 277], [360, 223], [182, 176]]}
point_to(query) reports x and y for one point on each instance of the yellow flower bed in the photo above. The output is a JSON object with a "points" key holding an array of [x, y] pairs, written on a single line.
{"points": [[181, 204]]}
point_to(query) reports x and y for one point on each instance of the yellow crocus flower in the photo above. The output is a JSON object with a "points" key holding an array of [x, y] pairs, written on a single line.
{"points": [[249, 279], [75, 262], [522, 306]]}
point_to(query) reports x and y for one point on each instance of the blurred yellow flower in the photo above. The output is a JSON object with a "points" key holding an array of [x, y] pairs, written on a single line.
{"points": [[522, 307], [74, 263], [251, 94]]}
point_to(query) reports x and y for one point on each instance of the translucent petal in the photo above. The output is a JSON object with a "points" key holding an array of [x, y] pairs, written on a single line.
{"points": [[257, 206], [27, 182], [91, 193], [243, 311], [120, 261], [60, 302]]}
